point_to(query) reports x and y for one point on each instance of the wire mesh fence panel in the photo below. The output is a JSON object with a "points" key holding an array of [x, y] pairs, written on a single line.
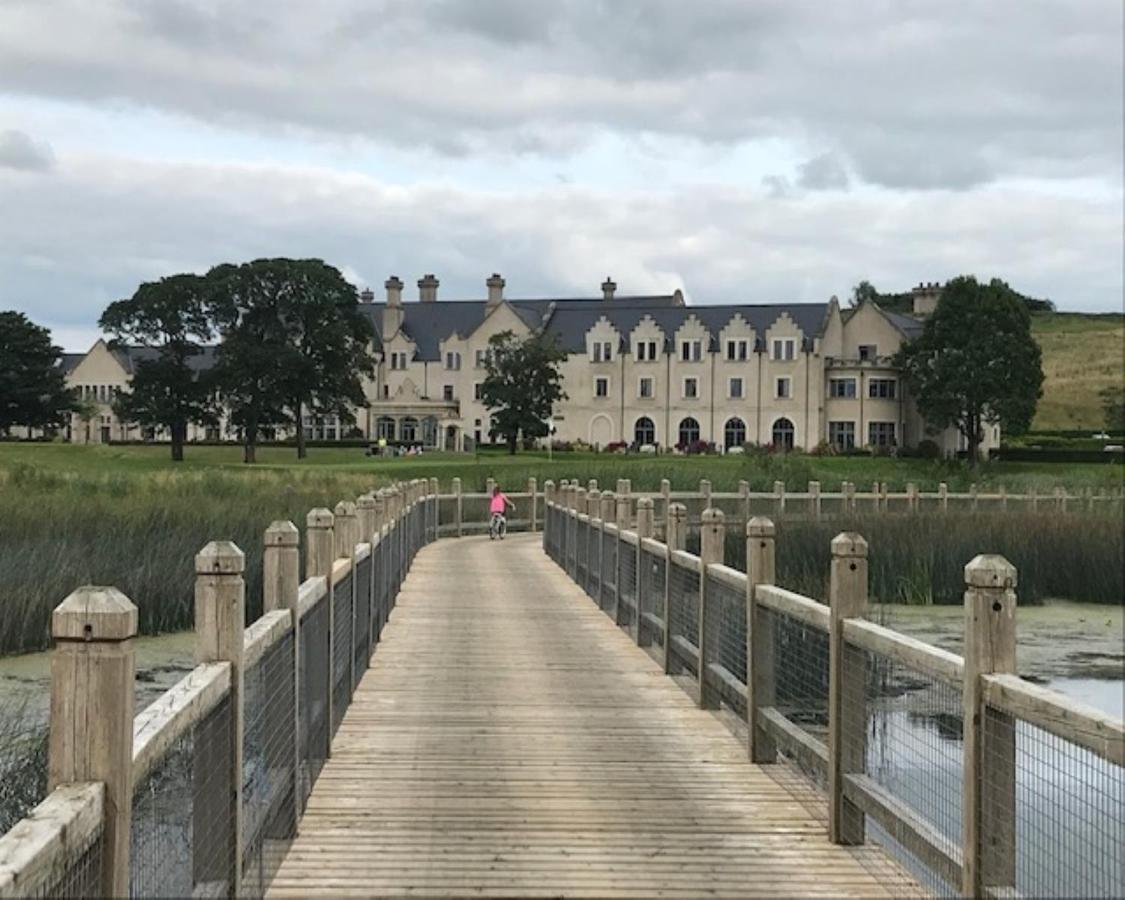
{"points": [[268, 782], [626, 583], [341, 649], [1069, 811], [800, 672], [315, 678], [726, 631], [683, 611], [80, 878], [361, 639], [475, 514], [652, 579], [581, 550], [594, 562], [913, 747], [609, 571]]}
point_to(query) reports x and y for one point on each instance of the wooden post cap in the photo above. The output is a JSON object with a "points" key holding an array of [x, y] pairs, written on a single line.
{"points": [[320, 518], [760, 527], [677, 510], [713, 516], [220, 558], [94, 613], [645, 503], [591, 485], [282, 534], [365, 502], [345, 508], [989, 570], [848, 543]]}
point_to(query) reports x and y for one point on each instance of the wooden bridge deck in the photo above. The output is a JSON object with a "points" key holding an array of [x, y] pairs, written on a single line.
{"points": [[508, 740]]}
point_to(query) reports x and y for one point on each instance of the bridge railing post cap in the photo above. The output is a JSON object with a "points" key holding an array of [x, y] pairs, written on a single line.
{"points": [[713, 515], [760, 526], [677, 509], [320, 518], [609, 495], [849, 543], [990, 570], [94, 613], [645, 503], [220, 558], [282, 533], [345, 508], [365, 502]]}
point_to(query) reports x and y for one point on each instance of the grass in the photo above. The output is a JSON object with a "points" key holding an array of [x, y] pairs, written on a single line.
{"points": [[128, 517], [1082, 354]]}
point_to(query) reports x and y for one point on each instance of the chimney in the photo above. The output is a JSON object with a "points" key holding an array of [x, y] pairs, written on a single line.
{"points": [[366, 295], [608, 288], [427, 288], [926, 297], [495, 292], [392, 312]]}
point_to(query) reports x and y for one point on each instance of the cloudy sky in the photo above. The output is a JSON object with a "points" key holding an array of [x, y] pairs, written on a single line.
{"points": [[772, 150]]}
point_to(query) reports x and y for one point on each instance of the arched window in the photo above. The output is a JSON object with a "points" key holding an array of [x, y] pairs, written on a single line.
{"points": [[408, 430], [784, 435], [385, 428], [429, 431], [689, 432], [734, 433], [644, 432]]}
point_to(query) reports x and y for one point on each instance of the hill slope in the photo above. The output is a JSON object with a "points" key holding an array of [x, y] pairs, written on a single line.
{"points": [[1082, 353]]}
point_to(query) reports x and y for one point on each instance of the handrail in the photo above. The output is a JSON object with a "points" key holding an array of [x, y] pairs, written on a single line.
{"points": [[796, 606], [931, 660], [311, 592], [263, 634]]}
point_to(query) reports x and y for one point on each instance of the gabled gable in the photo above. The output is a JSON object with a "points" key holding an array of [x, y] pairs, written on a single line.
{"points": [[101, 365]]}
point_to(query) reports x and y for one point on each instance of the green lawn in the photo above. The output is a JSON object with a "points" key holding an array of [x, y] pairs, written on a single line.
{"points": [[1081, 355]]}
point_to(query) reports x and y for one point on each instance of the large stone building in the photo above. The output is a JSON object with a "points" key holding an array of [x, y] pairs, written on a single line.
{"points": [[639, 370]]}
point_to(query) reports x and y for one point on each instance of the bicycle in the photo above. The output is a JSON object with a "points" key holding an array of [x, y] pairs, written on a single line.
{"points": [[497, 527]]}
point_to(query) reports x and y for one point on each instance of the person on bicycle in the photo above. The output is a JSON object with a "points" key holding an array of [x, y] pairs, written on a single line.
{"points": [[497, 506]]}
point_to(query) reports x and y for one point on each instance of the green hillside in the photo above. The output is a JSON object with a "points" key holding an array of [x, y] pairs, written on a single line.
{"points": [[1082, 353]]}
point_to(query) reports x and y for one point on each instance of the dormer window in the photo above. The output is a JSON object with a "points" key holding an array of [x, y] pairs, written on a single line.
{"points": [[398, 360], [691, 351], [738, 351], [452, 360], [784, 348], [601, 351], [867, 352], [645, 351]]}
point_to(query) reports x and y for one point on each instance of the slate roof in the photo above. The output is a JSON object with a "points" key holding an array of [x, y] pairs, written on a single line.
{"points": [[908, 325], [569, 319]]}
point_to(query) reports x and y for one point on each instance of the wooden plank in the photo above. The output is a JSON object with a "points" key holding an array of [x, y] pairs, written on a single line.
{"points": [[793, 738], [796, 606], [263, 634], [1071, 720], [926, 658], [311, 592], [727, 576]]}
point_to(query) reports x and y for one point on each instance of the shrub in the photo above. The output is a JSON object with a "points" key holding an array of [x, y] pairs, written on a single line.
{"points": [[928, 449]]}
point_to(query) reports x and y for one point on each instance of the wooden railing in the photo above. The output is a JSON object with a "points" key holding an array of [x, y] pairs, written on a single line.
{"points": [[196, 793], [973, 777]]}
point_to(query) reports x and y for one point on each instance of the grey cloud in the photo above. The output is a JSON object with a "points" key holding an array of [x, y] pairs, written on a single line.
{"points": [[931, 94], [19, 151], [822, 173]]}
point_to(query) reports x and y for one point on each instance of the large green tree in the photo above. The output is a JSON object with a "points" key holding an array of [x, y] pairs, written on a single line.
{"points": [[975, 363], [294, 342], [170, 388], [33, 389], [522, 386]]}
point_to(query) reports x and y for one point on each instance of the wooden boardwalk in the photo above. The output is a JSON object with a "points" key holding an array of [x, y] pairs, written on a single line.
{"points": [[508, 740]]}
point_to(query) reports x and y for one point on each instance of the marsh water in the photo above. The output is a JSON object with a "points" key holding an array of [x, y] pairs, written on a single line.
{"points": [[1071, 806]]}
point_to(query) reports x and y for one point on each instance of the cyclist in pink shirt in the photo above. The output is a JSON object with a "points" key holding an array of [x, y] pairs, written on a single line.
{"points": [[497, 506]]}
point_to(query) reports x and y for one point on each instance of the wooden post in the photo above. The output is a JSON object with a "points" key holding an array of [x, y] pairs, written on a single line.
{"points": [[645, 523], [973, 494], [851, 496], [1034, 499], [705, 492], [457, 507], [533, 501], [220, 619], [624, 514], [912, 496], [489, 484], [365, 516], [875, 496], [744, 499], [665, 500], [591, 486], [712, 544], [345, 529], [761, 677], [548, 502], [1060, 499], [779, 497], [847, 682], [675, 539], [943, 496], [93, 670], [281, 579], [884, 489], [988, 805], [320, 549], [607, 512], [814, 498]]}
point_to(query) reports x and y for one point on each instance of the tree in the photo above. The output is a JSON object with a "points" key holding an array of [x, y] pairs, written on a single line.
{"points": [[294, 340], [522, 386], [1113, 408], [169, 317], [975, 363], [33, 389]]}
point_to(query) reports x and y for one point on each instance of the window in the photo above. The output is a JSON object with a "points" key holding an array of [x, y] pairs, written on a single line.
{"points": [[734, 433], [602, 351], [735, 389], [691, 351], [386, 391], [841, 387], [881, 434], [478, 390], [385, 428], [601, 387], [429, 431], [453, 360], [689, 432], [784, 435], [481, 359], [691, 388], [867, 351], [646, 351], [784, 388], [784, 348], [881, 388], [738, 351], [645, 389], [408, 430], [447, 393], [644, 432], [398, 360], [841, 435]]}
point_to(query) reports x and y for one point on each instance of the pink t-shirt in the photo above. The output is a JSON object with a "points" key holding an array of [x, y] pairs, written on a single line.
{"points": [[498, 504]]}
